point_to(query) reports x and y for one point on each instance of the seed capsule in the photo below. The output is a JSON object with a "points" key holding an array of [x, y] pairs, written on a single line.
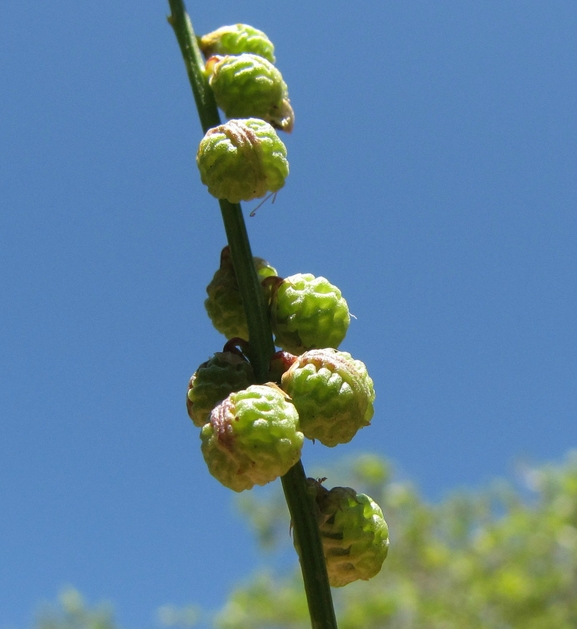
{"points": [[308, 312], [252, 438], [249, 86], [354, 534], [333, 394], [242, 160], [213, 381], [224, 303], [236, 39]]}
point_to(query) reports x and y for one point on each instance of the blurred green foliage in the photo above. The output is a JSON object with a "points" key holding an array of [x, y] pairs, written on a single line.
{"points": [[71, 612], [501, 558]]}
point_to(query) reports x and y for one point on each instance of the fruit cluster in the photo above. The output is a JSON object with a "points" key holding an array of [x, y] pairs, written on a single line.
{"points": [[251, 432], [244, 159]]}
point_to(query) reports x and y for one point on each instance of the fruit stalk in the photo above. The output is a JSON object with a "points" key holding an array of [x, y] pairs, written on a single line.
{"points": [[299, 500]]}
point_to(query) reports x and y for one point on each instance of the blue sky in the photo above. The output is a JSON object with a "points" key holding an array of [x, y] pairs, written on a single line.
{"points": [[433, 179]]}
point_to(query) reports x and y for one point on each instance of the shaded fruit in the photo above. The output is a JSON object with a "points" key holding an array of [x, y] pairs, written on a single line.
{"points": [[224, 302], [354, 533], [213, 381]]}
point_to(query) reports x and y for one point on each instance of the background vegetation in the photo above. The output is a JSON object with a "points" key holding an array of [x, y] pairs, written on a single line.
{"points": [[501, 558]]}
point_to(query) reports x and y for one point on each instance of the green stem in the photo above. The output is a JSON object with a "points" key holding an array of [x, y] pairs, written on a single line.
{"points": [[261, 346], [203, 96], [300, 502], [307, 534]]}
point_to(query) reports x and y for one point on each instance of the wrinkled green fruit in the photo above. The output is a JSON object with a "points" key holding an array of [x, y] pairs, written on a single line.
{"points": [[242, 160], [236, 39], [252, 438], [213, 381], [224, 303], [354, 534], [333, 394], [308, 312], [249, 86]]}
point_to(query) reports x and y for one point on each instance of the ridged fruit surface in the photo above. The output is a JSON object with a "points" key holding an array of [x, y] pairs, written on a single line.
{"points": [[354, 534], [252, 438], [236, 39], [249, 86], [333, 394], [242, 160], [308, 312]]}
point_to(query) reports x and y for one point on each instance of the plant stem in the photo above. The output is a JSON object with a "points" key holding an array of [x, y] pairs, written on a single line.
{"points": [[261, 346], [300, 502], [203, 96], [307, 535]]}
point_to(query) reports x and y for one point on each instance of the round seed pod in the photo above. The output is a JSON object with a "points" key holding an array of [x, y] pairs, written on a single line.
{"points": [[308, 312], [333, 394], [236, 39], [224, 303], [242, 160], [354, 534], [252, 438], [213, 381], [249, 86]]}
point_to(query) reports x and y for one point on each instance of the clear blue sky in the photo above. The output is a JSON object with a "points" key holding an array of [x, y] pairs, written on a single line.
{"points": [[433, 179]]}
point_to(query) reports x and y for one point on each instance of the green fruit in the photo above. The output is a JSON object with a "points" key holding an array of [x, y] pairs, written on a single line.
{"points": [[213, 381], [236, 39], [308, 312], [224, 303], [249, 86], [242, 160], [252, 438], [333, 394], [354, 534]]}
